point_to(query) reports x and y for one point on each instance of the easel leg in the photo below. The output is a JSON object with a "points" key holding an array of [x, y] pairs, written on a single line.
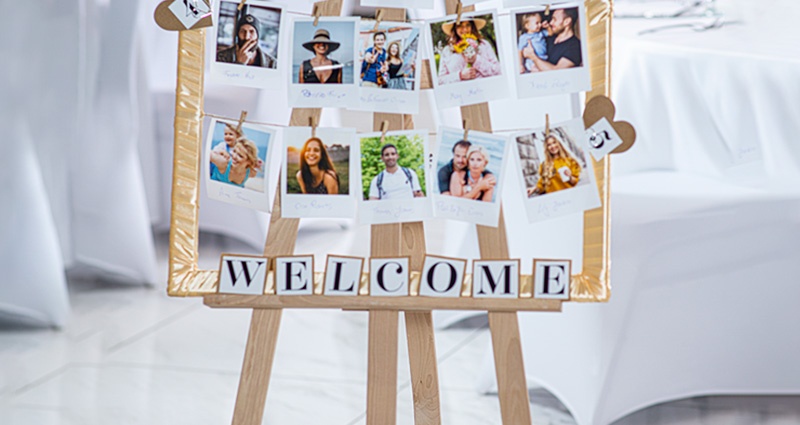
{"points": [[424, 373], [258, 357], [382, 368], [511, 386]]}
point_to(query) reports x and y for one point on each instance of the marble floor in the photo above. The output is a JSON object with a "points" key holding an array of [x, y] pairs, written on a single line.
{"points": [[132, 355]]}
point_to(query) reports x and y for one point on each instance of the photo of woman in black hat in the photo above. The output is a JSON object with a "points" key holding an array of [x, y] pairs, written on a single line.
{"points": [[248, 36], [320, 69]]}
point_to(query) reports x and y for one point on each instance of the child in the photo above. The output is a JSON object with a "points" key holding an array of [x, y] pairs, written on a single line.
{"points": [[533, 36]]}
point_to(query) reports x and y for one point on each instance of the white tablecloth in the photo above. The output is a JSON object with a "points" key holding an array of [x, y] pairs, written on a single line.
{"points": [[705, 213]]}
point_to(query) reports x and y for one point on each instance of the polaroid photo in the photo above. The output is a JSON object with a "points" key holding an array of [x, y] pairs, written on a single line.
{"points": [[469, 175], [190, 12], [556, 171], [389, 58], [237, 160], [466, 60], [315, 181], [394, 178], [550, 50], [407, 4], [247, 43], [324, 59]]}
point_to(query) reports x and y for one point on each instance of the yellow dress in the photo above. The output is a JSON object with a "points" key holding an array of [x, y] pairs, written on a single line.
{"points": [[556, 183]]}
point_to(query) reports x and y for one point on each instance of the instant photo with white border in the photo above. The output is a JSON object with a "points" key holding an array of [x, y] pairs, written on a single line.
{"points": [[470, 210], [383, 211], [296, 205], [310, 95], [230, 192], [243, 75], [558, 81], [408, 4], [479, 90], [393, 100], [581, 197]]}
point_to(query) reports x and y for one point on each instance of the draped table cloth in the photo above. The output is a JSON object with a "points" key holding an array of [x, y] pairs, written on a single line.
{"points": [[705, 216]]}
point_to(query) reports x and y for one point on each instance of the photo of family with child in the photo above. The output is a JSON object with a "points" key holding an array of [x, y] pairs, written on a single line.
{"points": [[465, 49], [549, 41], [237, 155], [388, 55]]}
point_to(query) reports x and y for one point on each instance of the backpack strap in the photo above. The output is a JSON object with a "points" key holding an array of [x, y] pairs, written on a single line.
{"points": [[380, 185]]}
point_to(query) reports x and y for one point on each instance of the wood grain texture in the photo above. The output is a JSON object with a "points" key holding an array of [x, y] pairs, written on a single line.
{"points": [[382, 368], [364, 302], [510, 369], [265, 323], [423, 368], [257, 367]]}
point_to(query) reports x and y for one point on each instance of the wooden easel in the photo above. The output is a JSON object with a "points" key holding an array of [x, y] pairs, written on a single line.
{"points": [[388, 240]]}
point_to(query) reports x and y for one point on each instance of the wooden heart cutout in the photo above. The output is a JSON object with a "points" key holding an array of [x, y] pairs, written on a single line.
{"points": [[602, 107], [168, 21]]}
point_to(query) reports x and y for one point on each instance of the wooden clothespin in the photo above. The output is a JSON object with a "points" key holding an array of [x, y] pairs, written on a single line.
{"points": [[547, 10], [316, 12], [378, 18], [546, 126], [241, 5], [459, 9], [242, 117], [384, 129], [466, 130], [313, 126]]}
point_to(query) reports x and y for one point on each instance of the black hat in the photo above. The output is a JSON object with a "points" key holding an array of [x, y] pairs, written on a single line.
{"points": [[248, 20], [321, 36]]}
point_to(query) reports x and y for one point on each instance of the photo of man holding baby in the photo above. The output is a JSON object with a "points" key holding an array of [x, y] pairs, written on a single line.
{"points": [[547, 42]]}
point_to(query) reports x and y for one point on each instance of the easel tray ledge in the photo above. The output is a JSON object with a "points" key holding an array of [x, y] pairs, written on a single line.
{"points": [[406, 303]]}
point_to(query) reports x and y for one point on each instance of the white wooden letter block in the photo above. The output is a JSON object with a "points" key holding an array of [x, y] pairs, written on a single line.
{"points": [[442, 277], [294, 275], [388, 277], [244, 275], [551, 279], [343, 275], [495, 279]]}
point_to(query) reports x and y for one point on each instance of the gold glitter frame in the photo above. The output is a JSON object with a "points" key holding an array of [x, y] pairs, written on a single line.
{"points": [[185, 277]]}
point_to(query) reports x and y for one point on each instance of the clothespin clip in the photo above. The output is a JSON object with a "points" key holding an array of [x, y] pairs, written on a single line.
{"points": [[241, 5], [313, 126], [242, 117], [378, 18], [466, 130], [316, 13], [384, 129], [459, 9], [546, 126], [547, 10]]}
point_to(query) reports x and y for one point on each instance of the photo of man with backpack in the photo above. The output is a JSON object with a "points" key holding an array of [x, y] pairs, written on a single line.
{"points": [[394, 182]]}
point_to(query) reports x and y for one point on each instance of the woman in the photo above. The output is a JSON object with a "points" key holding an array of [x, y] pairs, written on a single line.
{"points": [[317, 174], [467, 55], [237, 165], [558, 171], [320, 69], [396, 79], [475, 182]]}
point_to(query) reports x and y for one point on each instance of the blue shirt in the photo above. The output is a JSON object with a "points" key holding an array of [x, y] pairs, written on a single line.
{"points": [[369, 71]]}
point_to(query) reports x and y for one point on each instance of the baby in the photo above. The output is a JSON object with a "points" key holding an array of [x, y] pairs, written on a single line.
{"points": [[534, 36]]}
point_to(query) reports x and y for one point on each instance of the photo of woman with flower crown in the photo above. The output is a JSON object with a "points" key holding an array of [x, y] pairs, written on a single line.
{"points": [[465, 50]]}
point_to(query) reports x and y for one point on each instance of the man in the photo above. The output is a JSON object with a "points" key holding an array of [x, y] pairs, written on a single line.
{"points": [[563, 48], [374, 64], [245, 49], [456, 165], [394, 182]]}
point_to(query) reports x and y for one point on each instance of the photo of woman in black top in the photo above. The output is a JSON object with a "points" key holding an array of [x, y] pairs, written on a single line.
{"points": [[396, 79], [317, 174], [320, 69]]}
